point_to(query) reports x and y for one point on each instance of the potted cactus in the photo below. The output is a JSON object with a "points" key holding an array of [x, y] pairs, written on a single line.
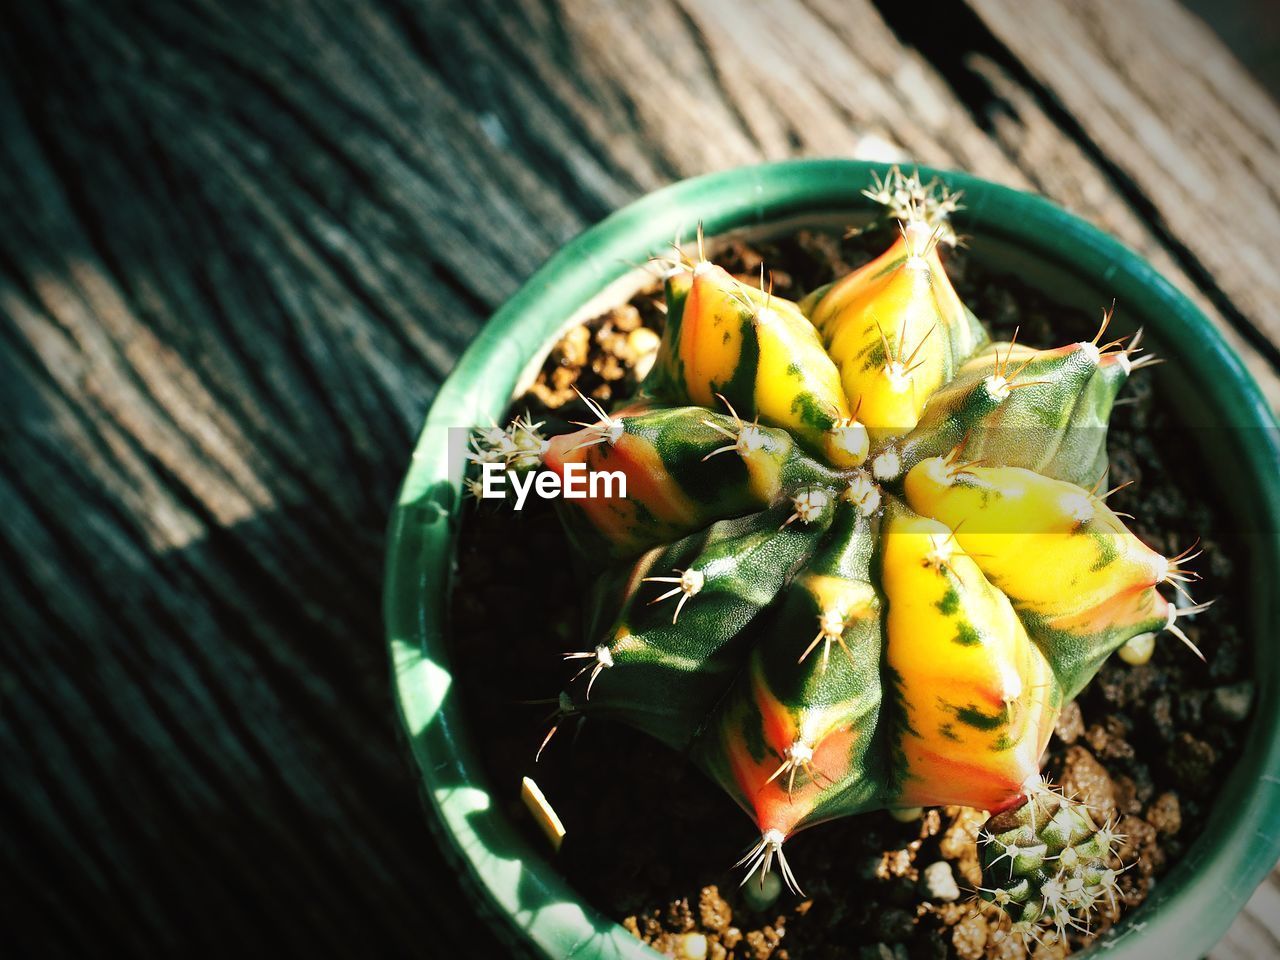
{"points": [[863, 560]]}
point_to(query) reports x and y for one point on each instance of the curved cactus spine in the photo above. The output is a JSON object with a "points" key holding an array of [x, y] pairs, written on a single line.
{"points": [[863, 561]]}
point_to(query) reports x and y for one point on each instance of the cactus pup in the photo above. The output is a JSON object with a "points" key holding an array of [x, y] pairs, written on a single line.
{"points": [[865, 557]]}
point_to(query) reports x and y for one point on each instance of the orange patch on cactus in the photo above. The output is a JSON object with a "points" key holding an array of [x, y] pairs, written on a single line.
{"points": [[648, 485], [780, 729], [939, 780], [1126, 609], [710, 334]]}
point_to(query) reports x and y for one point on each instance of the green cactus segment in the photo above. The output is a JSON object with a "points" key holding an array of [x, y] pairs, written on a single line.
{"points": [[1078, 650], [681, 625], [1082, 453], [668, 371], [1045, 410], [796, 740], [1048, 863], [949, 421]]}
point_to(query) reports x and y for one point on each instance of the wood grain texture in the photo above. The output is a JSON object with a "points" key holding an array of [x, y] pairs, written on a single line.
{"points": [[1179, 119], [243, 245]]}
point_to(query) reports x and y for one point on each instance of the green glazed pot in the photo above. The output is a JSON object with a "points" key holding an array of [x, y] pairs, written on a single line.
{"points": [[512, 887]]}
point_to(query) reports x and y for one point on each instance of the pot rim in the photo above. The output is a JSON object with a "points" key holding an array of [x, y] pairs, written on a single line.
{"points": [[511, 883]]}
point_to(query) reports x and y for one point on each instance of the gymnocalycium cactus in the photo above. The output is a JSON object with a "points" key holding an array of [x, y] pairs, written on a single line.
{"points": [[863, 560]]}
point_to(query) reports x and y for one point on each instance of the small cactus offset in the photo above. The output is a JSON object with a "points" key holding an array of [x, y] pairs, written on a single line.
{"points": [[865, 555], [1049, 863]]}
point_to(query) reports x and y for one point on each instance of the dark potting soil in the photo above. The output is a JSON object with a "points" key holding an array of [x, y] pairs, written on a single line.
{"points": [[650, 840]]}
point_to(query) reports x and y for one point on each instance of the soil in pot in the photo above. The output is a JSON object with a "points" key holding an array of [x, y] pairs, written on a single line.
{"points": [[650, 840]]}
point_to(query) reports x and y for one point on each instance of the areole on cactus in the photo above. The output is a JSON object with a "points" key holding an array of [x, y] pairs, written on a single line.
{"points": [[864, 559]]}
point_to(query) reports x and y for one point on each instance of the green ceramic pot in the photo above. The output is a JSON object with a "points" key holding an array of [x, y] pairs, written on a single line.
{"points": [[513, 888]]}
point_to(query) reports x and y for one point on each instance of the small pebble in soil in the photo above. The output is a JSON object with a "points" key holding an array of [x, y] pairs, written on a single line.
{"points": [[1109, 739], [1232, 703], [761, 943], [693, 946], [1165, 813], [939, 883], [713, 910], [1070, 724], [969, 937], [1084, 778]]}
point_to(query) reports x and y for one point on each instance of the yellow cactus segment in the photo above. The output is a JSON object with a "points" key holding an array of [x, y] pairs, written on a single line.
{"points": [[890, 327], [797, 385], [764, 356], [879, 326], [979, 696], [1054, 549], [711, 334]]}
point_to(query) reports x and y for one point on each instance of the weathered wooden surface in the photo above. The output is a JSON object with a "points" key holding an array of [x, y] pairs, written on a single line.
{"points": [[243, 244]]}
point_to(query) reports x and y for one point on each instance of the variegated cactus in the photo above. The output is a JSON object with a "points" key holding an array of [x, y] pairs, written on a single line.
{"points": [[863, 560]]}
